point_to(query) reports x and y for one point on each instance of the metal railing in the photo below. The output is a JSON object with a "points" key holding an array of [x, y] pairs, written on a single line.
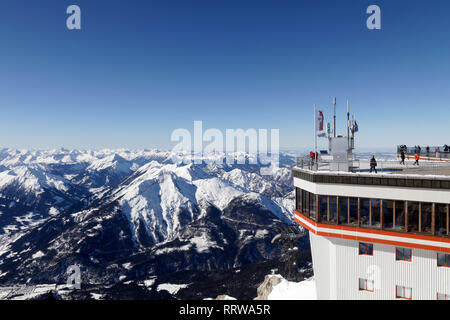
{"points": [[383, 166], [327, 165], [437, 152]]}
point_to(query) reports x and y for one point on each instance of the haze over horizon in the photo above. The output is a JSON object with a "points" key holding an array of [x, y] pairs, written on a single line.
{"points": [[140, 69]]}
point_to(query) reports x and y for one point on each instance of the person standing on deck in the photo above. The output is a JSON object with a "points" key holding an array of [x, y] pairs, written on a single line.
{"points": [[312, 155], [373, 164], [416, 157], [402, 157]]}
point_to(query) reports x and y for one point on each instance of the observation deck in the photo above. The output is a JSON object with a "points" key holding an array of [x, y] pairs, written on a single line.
{"points": [[404, 205]]}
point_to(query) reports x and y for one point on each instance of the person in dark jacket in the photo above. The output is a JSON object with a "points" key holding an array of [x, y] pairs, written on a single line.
{"points": [[402, 157], [373, 164]]}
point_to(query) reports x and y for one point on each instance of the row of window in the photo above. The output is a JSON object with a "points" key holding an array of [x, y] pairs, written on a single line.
{"points": [[373, 180], [401, 254], [396, 215], [401, 292], [404, 254]]}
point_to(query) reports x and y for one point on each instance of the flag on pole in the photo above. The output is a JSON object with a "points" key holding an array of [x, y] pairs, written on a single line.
{"points": [[319, 120], [355, 127]]}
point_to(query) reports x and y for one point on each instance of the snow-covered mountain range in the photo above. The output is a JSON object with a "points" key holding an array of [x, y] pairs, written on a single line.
{"points": [[124, 215]]}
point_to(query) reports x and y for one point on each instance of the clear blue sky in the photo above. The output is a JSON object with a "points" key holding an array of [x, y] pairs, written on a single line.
{"points": [[139, 69]]}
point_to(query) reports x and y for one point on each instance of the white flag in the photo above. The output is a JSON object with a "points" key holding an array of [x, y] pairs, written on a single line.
{"points": [[319, 120]]}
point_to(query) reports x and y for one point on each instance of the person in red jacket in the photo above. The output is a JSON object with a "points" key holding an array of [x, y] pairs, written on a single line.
{"points": [[416, 157]]}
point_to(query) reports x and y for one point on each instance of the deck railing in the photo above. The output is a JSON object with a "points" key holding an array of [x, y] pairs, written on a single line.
{"points": [[428, 167], [437, 152]]}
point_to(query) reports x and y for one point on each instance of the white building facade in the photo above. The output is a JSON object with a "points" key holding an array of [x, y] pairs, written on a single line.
{"points": [[382, 236]]}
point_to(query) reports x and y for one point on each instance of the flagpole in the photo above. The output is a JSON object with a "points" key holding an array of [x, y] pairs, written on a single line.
{"points": [[315, 134], [348, 127]]}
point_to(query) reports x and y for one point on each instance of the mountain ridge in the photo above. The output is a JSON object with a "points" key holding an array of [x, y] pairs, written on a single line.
{"points": [[130, 215]]}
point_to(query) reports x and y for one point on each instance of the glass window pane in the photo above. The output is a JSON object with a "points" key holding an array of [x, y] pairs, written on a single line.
{"points": [[365, 205], [353, 210], [361, 248], [408, 293], [369, 249], [399, 291], [323, 208], [441, 219], [333, 209], [312, 206], [343, 210], [376, 213], [407, 254], [426, 217], [370, 285], [413, 216], [441, 259], [298, 199], [306, 202], [398, 253], [362, 284], [400, 215], [388, 214]]}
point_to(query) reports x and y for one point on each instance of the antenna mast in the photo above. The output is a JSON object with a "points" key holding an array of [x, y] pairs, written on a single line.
{"points": [[334, 129]]}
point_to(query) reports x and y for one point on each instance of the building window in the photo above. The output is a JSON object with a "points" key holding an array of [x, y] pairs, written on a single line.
{"points": [[366, 249], [353, 210], [364, 212], [323, 208], [413, 216], [400, 215], [366, 285], [425, 217], [343, 210], [305, 203], [332, 209], [441, 296], [443, 260], [312, 206], [403, 292], [388, 214], [441, 219], [403, 254], [298, 199], [396, 215], [375, 213]]}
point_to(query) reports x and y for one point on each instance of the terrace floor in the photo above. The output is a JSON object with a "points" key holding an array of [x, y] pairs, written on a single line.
{"points": [[425, 170], [388, 167]]}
